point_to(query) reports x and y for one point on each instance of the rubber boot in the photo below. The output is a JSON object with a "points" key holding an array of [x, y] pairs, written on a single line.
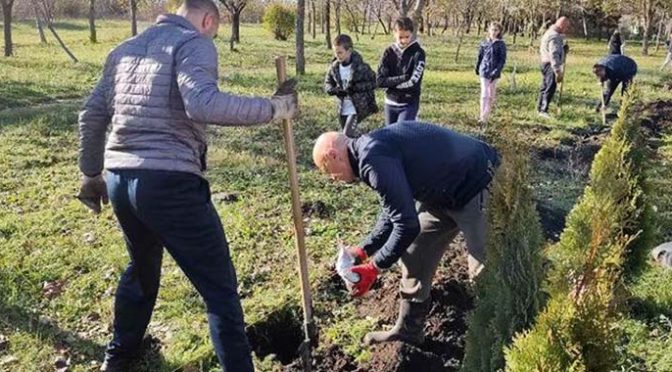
{"points": [[409, 327]]}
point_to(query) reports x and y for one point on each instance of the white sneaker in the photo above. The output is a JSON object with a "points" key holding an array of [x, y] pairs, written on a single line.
{"points": [[544, 115]]}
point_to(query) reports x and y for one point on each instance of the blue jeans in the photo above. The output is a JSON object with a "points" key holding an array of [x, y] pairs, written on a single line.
{"points": [[159, 209], [408, 112]]}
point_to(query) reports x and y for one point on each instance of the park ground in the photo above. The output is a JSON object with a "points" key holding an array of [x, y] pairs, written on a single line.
{"points": [[59, 264]]}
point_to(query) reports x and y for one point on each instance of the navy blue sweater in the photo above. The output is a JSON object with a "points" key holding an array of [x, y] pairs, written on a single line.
{"points": [[400, 72], [619, 67], [491, 59], [412, 161]]}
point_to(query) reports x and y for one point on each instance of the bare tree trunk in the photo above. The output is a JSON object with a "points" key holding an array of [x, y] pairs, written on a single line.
{"points": [[647, 26], [40, 29], [327, 23], [352, 15], [58, 38], [385, 29], [661, 26], [322, 21], [459, 43], [309, 19], [7, 23], [417, 11], [300, 55], [313, 29], [365, 19], [50, 26], [134, 17], [337, 14], [235, 25], [92, 21]]}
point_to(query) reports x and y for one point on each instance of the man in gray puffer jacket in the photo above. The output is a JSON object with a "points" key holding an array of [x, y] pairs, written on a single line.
{"points": [[157, 93]]}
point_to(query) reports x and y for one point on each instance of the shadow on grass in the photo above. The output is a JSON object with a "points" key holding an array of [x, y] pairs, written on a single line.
{"points": [[44, 120], [18, 94], [16, 317], [646, 310]]}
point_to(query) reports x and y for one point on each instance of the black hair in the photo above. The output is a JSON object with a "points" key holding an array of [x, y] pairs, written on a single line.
{"points": [[404, 24]]}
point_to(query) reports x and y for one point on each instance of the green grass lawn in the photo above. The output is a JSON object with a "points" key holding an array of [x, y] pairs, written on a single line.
{"points": [[48, 239]]}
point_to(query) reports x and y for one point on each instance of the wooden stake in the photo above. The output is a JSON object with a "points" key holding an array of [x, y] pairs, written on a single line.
{"points": [[603, 109], [308, 325]]}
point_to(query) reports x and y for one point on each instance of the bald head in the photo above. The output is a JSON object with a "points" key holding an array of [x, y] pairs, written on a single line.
{"points": [[330, 155], [203, 14], [562, 24]]}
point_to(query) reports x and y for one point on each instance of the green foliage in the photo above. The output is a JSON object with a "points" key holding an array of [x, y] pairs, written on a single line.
{"points": [[509, 293], [280, 20], [577, 330]]}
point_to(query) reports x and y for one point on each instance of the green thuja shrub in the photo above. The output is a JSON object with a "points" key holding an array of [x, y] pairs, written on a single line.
{"points": [[279, 19], [576, 331], [508, 290]]}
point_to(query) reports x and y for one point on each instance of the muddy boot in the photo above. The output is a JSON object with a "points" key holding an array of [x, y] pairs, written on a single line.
{"points": [[409, 327]]}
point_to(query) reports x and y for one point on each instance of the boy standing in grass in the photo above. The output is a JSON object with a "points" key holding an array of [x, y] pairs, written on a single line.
{"points": [[400, 73], [489, 66], [352, 82]]}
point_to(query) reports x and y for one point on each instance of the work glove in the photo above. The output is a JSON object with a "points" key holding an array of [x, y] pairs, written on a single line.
{"points": [[92, 192], [285, 101], [358, 254], [368, 272]]}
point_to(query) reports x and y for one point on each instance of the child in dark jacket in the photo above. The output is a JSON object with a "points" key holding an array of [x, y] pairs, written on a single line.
{"points": [[400, 74], [491, 60], [352, 82], [616, 43]]}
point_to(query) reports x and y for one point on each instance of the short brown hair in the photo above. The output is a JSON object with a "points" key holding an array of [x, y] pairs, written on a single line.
{"points": [[344, 41], [404, 24]]}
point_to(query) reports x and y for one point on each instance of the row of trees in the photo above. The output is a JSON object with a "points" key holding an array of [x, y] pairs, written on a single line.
{"points": [[648, 19]]}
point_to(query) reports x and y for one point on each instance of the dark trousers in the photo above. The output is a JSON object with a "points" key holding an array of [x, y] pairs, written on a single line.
{"points": [[408, 112], [349, 125], [610, 88], [159, 209], [548, 87]]}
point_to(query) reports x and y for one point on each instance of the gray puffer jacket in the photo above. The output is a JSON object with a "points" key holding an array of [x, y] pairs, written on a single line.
{"points": [[158, 91]]}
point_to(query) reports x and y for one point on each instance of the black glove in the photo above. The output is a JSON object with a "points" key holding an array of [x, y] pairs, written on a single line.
{"points": [[286, 88], [341, 93], [92, 192]]}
